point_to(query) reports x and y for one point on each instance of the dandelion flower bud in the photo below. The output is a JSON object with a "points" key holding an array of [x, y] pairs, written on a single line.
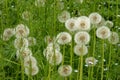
{"points": [[54, 57], [114, 38], [23, 52], [83, 23], [80, 50], [64, 16], [8, 33], [30, 61], [32, 71], [70, 24], [64, 38], [82, 37], [31, 41], [20, 43], [26, 15], [90, 61], [103, 32], [65, 70], [109, 24], [95, 18], [21, 31]]}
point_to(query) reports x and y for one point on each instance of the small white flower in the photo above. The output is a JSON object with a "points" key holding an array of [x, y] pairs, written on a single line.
{"points": [[64, 16], [8, 33], [90, 61], [32, 71], [95, 18], [65, 70], [83, 23], [70, 24], [64, 38], [80, 50], [21, 31], [31, 41], [114, 38], [82, 37], [20, 43], [103, 32], [29, 61]]}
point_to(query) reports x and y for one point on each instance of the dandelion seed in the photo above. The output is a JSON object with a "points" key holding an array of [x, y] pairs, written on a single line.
{"points": [[76, 70], [70, 24], [20, 43], [8, 33], [103, 32], [26, 15], [31, 41], [114, 38], [80, 50], [21, 31], [82, 37], [32, 71], [64, 16], [65, 70], [83, 23], [116, 64], [95, 18], [90, 61], [30, 61], [64, 38], [109, 24]]}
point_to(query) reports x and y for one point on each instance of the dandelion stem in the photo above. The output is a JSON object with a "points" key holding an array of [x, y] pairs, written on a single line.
{"points": [[102, 65], [71, 56], [81, 67], [63, 54]]}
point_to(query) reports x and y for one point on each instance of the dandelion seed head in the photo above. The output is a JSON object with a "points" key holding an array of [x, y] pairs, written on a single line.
{"points": [[82, 37], [83, 23], [64, 38], [95, 18], [114, 38], [40, 3], [109, 24], [80, 50], [26, 15], [90, 61], [65, 70], [103, 32], [31, 41]]}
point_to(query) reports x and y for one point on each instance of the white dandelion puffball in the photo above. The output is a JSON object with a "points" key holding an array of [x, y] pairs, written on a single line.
{"points": [[101, 23], [54, 57], [103, 32], [31, 41], [95, 18], [20, 43], [32, 71], [80, 50], [40, 3], [83, 23], [26, 15], [54, 46], [8, 33], [30, 61], [21, 31], [23, 53], [82, 37], [64, 16], [48, 39], [65, 70], [109, 24], [114, 38], [70, 24], [90, 61], [64, 38], [60, 5]]}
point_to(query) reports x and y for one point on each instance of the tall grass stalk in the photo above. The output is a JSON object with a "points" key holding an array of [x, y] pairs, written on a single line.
{"points": [[102, 59]]}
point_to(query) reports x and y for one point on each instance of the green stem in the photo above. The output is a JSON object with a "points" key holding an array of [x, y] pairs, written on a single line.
{"points": [[102, 65], [63, 54], [81, 67]]}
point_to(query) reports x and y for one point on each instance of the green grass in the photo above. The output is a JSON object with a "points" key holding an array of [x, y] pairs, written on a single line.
{"points": [[44, 22]]}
